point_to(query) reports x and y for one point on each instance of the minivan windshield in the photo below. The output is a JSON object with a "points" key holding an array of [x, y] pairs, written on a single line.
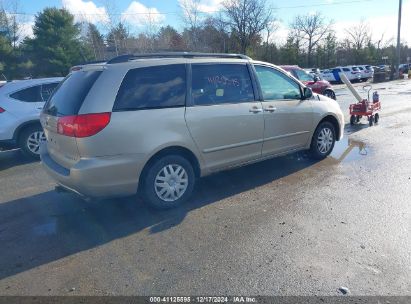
{"points": [[70, 94]]}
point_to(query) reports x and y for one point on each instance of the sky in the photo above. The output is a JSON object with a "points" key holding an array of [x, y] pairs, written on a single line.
{"points": [[381, 15]]}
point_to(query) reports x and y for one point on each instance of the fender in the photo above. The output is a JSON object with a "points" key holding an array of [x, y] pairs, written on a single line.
{"points": [[23, 125]]}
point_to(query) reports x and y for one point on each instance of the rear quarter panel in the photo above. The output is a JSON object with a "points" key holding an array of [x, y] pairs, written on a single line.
{"points": [[142, 133]]}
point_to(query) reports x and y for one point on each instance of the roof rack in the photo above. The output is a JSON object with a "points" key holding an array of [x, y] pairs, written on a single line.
{"points": [[128, 57]]}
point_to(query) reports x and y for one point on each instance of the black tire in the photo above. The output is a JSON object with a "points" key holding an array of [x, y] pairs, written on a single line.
{"points": [[353, 119], [376, 118], [330, 94], [371, 120], [315, 151], [23, 141], [149, 190], [358, 118]]}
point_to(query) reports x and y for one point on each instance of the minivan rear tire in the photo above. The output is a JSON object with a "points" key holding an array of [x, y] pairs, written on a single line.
{"points": [[166, 171], [323, 130]]}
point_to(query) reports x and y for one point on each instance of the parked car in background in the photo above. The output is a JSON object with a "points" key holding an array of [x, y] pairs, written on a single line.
{"points": [[21, 102], [352, 75], [354, 70], [314, 71], [370, 70], [328, 75], [384, 68], [403, 68], [365, 73], [155, 123], [314, 82]]}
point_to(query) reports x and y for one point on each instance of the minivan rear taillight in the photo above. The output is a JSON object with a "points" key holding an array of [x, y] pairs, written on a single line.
{"points": [[2, 110], [83, 125]]}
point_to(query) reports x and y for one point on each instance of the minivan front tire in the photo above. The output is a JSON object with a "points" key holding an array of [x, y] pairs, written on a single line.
{"points": [[168, 182], [323, 140]]}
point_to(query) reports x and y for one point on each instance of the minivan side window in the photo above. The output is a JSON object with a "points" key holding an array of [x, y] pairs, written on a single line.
{"points": [[215, 84], [31, 94], [152, 88], [346, 69], [276, 85]]}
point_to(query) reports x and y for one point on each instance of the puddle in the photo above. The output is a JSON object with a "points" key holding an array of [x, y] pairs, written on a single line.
{"points": [[345, 150], [349, 150], [49, 228]]}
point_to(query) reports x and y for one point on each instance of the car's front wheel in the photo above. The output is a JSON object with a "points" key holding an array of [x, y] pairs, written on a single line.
{"points": [[30, 140], [323, 140], [330, 94], [168, 182]]}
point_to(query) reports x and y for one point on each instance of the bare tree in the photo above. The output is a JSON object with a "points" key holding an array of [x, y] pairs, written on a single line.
{"points": [[359, 35], [10, 21], [311, 28], [220, 25], [151, 28], [270, 28], [110, 25], [248, 18], [191, 19]]}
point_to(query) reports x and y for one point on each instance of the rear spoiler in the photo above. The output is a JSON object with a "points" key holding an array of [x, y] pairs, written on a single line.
{"points": [[83, 65]]}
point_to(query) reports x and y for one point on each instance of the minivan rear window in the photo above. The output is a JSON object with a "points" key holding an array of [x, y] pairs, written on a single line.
{"points": [[152, 87], [70, 94]]}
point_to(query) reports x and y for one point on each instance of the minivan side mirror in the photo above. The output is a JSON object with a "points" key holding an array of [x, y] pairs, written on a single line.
{"points": [[307, 93]]}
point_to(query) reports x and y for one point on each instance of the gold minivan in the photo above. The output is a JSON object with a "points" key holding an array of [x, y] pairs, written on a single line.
{"points": [[155, 123]]}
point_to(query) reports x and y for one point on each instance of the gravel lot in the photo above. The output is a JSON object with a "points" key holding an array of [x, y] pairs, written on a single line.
{"points": [[288, 226]]}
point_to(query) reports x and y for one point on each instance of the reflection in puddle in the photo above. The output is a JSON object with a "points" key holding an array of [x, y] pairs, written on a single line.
{"points": [[348, 150], [49, 228], [344, 150]]}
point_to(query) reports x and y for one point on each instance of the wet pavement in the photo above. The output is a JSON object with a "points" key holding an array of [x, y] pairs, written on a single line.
{"points": [[287, 226]]}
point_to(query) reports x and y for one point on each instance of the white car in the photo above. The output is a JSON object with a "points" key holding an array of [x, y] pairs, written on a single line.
{"points": [[328, 75], [21, 102], [352, 73], [369, 71], [365, 71]]}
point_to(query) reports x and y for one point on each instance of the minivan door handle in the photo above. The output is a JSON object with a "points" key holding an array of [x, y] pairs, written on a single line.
{"points": [[256, 109], [270, 109]]}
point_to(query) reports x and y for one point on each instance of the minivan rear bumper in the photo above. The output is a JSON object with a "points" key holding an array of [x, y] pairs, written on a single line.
{"points": [[97, 177]]}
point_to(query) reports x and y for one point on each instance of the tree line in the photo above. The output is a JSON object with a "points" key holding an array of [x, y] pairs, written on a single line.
{"points": [[241, 26]]}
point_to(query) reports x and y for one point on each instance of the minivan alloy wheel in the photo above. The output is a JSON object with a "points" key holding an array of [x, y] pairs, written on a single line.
{"points": [[325, 140], [34, 141], [171, 182]]}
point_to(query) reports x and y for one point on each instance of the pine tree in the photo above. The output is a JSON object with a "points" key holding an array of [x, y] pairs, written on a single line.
{"points": [[56, 44]]}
